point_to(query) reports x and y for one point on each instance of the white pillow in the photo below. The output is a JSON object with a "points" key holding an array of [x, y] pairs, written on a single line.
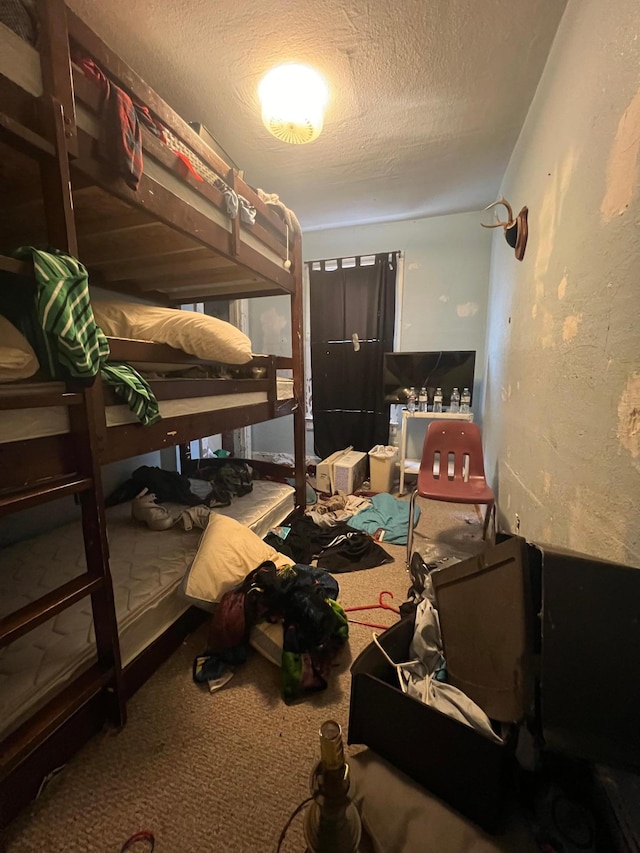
{"points": [[198, 334], [17, 358], [228, 551]]}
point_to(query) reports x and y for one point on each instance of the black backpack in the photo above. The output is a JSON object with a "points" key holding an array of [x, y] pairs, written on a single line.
{"points": [[230, 479]]}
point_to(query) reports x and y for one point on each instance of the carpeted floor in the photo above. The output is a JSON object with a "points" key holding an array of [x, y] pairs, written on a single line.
{"points": [[218, 772]]}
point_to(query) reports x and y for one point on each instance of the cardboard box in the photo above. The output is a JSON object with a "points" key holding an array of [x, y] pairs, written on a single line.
{"points": [[324, 471], [349, 472], [570, 623]]}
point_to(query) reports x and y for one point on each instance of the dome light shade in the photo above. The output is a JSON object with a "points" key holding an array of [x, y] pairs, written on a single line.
{"points": [[293, 99]]}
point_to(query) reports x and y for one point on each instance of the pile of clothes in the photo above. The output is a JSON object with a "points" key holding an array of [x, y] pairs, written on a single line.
{"points": [[315, 627], [158, 497], [343, 532]]}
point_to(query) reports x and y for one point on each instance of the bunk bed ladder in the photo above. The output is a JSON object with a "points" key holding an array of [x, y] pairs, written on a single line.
{"points": [[58, 116], [102, 679], [104, 676]]}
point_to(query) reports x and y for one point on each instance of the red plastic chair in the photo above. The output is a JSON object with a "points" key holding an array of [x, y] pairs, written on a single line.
{"points": [[452, 469]]}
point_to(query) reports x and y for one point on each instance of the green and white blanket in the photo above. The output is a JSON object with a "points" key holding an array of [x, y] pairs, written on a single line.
{"points": [[69, 340]]}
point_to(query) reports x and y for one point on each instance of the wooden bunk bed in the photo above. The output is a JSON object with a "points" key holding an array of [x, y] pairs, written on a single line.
{"points": [[171, 241]]}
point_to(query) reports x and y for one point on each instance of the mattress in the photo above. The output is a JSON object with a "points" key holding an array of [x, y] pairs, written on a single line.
{"points": [[18, 424], [147, 568], [269, 504]]}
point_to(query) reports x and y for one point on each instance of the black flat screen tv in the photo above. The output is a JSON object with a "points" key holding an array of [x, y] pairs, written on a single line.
{"points": [[447, 369]]}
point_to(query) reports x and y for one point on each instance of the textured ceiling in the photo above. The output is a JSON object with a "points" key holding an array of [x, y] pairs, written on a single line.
{"points": [[427, 96]]}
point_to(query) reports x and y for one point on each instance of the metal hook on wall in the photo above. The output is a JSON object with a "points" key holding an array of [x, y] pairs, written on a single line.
{"points": [[516, 229]]}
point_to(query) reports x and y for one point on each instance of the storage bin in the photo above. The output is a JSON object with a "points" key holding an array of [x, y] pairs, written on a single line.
{"points": [[382, 467], [450, 759], [569, 620]]}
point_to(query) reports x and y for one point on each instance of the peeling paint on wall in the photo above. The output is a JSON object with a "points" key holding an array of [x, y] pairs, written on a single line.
{"points": [[624, 163], [562, 288], [550, 213], [534, 310], [443, 298], [468, 309], [586, 521], [546, 488], [570, 327], [629, 417], [546, 338], [414, 266]]}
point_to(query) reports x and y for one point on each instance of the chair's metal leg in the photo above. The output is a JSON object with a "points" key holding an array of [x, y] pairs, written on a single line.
{"points": [[487, 516], [412, 504], [491, 511]]}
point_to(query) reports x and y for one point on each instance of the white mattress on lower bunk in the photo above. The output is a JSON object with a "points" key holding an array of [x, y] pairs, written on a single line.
{"points": [[147, 568], [17, 424]]}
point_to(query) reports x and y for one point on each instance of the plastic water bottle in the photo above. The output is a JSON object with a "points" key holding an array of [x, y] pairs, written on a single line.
{"points": [[465, 402], [454, 406], [422, 400], [411, 400], [437, 400]]}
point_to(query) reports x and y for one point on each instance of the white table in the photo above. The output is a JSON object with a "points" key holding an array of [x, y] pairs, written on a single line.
{"points": [[412, 466]]}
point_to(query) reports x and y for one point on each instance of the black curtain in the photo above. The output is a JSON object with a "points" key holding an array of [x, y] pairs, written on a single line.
{"points": [[348, 399]]}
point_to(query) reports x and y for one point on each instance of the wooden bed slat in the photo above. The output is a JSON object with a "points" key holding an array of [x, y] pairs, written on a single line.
{"points": [[194, 281], [123, 349], [32, 459], [180, 389], [42, 492], [183, 264], [23, 268], [33, 141], [47, 606], [223, 291], [134, 440], [148, 240], [36, 398]]}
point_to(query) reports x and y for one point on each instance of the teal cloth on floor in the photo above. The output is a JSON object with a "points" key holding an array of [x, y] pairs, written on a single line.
{"points": [[388, 513]]}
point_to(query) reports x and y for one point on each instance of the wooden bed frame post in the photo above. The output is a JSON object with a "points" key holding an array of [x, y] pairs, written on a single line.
{"points": [[84, 427], [56, 65], [58, 119], [297, 353]]}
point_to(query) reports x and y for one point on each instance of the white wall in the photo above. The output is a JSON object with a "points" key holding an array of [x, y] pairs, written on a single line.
{"points": [[563, 354], [446, 279]]}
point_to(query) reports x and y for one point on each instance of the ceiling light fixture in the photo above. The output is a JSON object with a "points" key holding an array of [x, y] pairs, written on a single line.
{"points": [[293, 99]]}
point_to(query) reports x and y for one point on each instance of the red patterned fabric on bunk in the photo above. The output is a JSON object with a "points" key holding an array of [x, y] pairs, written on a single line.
{"points": [[121, 138]]}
